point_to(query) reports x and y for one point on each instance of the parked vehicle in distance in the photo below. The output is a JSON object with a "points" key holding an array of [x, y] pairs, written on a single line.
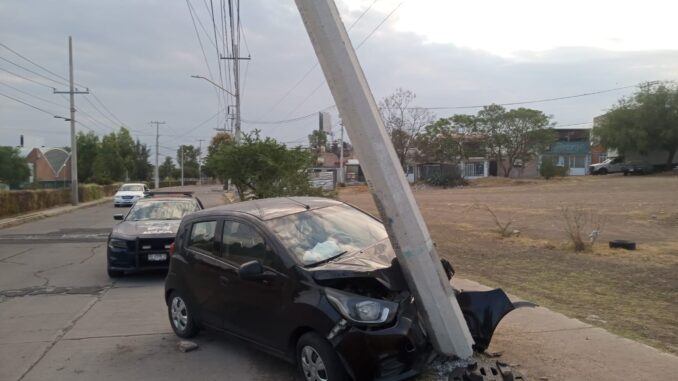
{"points": [[141, 241], [128, 194], [314, 281], [637, 167], [611, 165]]}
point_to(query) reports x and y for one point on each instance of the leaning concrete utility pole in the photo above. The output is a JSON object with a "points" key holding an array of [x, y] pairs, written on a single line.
{"points": [[407, 231]]}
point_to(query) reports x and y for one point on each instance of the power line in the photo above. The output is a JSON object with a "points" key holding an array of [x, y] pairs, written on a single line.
{"points": [[34, 72], [35, 63], [106, 108], [34, 96], [369, 35], [28, 104], [26, 78], [314, 66]]}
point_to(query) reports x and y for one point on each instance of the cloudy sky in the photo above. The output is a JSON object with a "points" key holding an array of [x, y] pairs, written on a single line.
{"points": [[137, 58]]}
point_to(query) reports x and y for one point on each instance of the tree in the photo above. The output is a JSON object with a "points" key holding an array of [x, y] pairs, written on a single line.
{"points": [[88, 148], [402, 121], [644, 122], [126, 151], [218, 141], [108, 166], [167, 168], [13, 167], [513, 136], [142, 169], [263, 167], [448, 140], [190, 160]]}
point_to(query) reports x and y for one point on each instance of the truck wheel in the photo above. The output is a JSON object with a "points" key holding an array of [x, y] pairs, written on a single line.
{"points": [[602, 171]]}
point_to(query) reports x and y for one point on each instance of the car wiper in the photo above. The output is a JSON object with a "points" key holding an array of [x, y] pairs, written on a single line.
{"points": [[330, 259]]}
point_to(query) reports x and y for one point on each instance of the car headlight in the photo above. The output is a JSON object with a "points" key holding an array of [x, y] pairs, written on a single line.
{"points": [[119, 244], [360, 309]]}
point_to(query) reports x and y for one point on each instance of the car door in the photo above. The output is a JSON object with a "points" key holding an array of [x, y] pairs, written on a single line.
{"points": [[255, 308], [204, 281]]}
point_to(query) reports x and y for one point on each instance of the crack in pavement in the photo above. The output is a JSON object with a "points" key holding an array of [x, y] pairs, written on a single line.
{"points": [[7, 259], [45, 290], [93, 251], [62, 332]]}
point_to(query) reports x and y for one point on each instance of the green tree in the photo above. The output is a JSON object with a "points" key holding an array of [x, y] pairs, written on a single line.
{"points": [[263, 167], [13, 167], [514, 135], [218, 141], [403, 122], [191, 156], [166, 169], [108, 165], [449, 140], [142, 169], [644, 122], [126, 152], [88, 148]]}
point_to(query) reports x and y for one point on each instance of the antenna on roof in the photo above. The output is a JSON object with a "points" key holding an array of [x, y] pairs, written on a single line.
{"points": [[308, 207]]}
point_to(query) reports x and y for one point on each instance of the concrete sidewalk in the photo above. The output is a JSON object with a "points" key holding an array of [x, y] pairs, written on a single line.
{"points": [[40, 214], [543, 344]]}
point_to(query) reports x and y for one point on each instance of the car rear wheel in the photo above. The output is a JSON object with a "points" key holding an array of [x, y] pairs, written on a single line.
{"points": [[602, 171], [317, 359], [181, 317], [115, 273]]}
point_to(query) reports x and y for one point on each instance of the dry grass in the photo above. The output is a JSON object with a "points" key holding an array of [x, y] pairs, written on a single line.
{"points": [[635, 293]]}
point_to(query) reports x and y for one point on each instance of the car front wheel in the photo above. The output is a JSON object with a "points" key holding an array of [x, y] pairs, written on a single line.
{"points": [[181, 317], [317, 359]]}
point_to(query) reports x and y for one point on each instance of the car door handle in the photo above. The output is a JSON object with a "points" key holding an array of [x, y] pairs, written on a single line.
{"points": [[223, 280]]}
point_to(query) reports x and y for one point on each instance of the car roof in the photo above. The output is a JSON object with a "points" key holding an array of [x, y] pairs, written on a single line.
{"points": [[270, 208]]}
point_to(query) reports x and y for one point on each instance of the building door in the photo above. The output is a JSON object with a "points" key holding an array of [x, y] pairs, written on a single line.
{"points": [[577, 164]]}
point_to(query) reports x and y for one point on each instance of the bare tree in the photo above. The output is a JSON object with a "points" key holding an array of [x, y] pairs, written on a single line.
{"points": [[403, 121]]}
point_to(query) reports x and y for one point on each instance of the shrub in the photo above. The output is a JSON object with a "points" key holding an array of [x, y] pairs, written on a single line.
{"points": [[578, 221], [549, 169]]}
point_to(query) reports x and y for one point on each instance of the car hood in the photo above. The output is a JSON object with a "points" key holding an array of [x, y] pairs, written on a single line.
{"points": [[129, 193], [377, 261], [146, 228]]}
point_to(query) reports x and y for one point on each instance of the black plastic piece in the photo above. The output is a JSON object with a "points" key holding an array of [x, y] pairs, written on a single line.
{"points": [[486, 371], [483, 310]]}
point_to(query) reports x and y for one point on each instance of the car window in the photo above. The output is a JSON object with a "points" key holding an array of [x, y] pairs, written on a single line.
{"points": [[161, 210], [242, 243], [132, 188], [203, 237], [318, 235]]}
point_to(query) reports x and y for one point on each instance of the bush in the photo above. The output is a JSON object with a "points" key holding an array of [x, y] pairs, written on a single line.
{"points": [[449, 176], [549, 169], [24, 201]]}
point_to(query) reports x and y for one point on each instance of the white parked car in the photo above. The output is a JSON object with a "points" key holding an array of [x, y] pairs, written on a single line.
{"points": [[128, 194]]}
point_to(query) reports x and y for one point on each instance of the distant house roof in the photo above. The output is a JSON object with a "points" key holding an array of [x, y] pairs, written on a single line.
{"points": [[56, 158]]}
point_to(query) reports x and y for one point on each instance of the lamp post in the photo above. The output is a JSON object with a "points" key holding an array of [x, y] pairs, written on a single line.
{"points": [[237, 113]]}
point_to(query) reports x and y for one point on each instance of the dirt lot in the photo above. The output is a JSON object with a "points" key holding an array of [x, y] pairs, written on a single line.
{"points": [[631, 293]]}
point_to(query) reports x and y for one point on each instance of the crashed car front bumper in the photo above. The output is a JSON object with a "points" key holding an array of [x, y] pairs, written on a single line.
{"points": [[394, 352]]}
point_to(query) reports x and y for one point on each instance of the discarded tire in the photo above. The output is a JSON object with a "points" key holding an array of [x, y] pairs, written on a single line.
{"points": [[622, 244]]}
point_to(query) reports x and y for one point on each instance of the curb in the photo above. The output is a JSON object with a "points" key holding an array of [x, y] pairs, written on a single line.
{"points": [[39, 215]]}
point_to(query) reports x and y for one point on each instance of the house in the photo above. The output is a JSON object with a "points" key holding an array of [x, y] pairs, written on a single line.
{"points": [[51, 167], [572, 149]]}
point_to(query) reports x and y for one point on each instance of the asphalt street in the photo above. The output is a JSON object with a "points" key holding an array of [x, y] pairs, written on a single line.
{"points": [[64, 319]]}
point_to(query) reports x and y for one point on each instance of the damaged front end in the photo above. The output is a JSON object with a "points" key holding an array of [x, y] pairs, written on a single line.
{"points": [[381, 335]]}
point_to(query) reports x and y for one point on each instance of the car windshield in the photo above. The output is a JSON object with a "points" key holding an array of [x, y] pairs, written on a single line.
{"points": [[319, 235], [161, 210], [132, 188]]}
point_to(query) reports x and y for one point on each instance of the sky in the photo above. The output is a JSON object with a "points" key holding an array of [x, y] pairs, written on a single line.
{"points": [[137, 58]]}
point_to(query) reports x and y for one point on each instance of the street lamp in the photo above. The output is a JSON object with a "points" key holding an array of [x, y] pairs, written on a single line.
{"points": [[210, 81], [61, 117]]}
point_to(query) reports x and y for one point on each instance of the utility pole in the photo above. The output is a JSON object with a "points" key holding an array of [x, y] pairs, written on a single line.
{"points": [[157, 149], [235, 56], [404, 223], [182, 165], [200, 161], [74, 141]]}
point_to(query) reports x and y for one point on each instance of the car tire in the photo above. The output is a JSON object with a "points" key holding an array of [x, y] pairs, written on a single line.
{"points": [[317, 360], [181, 316], [626, 173], [602, 171], [115, 273]]}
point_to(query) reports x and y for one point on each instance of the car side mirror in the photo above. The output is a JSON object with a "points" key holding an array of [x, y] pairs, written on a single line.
{"points": [[251, 270], [118, 217]]}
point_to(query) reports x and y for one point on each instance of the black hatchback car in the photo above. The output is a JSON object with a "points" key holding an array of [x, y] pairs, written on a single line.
{"points": [[312, 280]]}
